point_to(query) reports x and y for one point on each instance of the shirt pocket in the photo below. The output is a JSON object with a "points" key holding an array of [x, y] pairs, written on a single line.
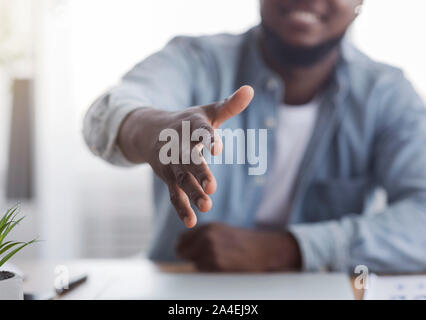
{"points": [[334, 198]]}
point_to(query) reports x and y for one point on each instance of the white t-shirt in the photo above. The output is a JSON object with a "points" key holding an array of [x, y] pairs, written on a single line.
{"points": [[294, 130]]}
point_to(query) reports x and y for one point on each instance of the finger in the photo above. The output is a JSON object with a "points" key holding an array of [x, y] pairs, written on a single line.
{"points": [[217, 146], [181, 203], [199, 168], [209, 137], [202, 131], [236, 104], [187, 182], [204, 177]]}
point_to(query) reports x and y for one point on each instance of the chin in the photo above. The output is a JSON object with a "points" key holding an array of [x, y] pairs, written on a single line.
{"points": [[301, 40], [300, 35]]}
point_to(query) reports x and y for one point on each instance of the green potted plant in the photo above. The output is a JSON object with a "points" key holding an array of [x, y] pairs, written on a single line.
{"points": [[10, 283]]}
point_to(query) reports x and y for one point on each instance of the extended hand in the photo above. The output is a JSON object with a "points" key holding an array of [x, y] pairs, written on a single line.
{"points": [[187, 182], [218, 247]]}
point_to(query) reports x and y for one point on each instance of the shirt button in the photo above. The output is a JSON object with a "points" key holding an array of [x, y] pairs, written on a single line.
{"points": [[260, 180], [270, 122]]}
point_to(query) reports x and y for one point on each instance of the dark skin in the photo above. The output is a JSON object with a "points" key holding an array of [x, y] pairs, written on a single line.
{"points": [[333, 19], [217, 247]]}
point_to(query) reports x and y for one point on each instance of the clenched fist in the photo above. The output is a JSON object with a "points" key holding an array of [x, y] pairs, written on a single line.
{"points": [[218, 247]]}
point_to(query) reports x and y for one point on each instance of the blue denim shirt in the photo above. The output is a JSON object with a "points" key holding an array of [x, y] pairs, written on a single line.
{"points": [[370, 133]]}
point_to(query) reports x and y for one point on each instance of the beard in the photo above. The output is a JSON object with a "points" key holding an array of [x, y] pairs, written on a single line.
{"points": [[288, 55]]}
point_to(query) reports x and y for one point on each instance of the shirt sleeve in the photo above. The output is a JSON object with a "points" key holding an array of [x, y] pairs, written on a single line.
{"points": [[395, 239], [164, 80]]}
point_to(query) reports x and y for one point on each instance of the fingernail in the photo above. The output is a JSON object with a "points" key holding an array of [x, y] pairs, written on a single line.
{"points": [[205, 182], [200, 203], [186, 221]]}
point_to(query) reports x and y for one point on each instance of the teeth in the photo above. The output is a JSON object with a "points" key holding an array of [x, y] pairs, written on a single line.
{"points": [[305, 16]]}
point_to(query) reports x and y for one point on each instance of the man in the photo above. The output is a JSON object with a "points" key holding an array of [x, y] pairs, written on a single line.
{"points": [[339, 126]]}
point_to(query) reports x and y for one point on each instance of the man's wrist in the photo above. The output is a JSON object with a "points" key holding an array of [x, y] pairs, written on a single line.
{"points": [[284, 253], [129, 136], [293, 255]]}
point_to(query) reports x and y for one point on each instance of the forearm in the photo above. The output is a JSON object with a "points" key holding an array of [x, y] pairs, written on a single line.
{"points": [[131, 137], [391, 241]]}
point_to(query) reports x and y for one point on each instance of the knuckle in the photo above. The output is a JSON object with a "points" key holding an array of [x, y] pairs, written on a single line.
{"points": [[194, 195], [165, 173], [202, 171], [201, 176], [182, 178], [157, 145], [174, 199], [197, 117], [206, 127]]}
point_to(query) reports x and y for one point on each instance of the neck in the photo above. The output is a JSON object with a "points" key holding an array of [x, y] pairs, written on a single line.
{"points": [[302, 84]]}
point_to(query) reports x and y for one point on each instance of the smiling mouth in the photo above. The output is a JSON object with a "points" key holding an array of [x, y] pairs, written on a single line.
{"points": [[302, 16]]}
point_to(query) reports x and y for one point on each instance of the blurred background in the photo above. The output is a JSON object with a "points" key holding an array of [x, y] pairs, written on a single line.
{"points": [[57, 56]]}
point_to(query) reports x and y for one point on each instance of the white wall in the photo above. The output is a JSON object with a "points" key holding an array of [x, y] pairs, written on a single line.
{"points": [[392, 31]]}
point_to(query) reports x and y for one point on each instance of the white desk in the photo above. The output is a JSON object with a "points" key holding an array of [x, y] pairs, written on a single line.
{"points": [[141, 279]]}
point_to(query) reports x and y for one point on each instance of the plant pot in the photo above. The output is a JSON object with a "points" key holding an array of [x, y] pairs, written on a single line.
{"points": [[11, 287]]}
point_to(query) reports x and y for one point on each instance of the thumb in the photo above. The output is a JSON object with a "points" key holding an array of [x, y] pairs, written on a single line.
{"points": [[232, 106]]}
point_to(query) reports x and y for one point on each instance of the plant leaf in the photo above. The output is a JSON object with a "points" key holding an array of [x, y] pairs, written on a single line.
{"points": [[5, 244], [4, 226], [7, 223], [9, 246], [2, 231], [8, 214], [9, 228], [12, 253], [4, 218]]}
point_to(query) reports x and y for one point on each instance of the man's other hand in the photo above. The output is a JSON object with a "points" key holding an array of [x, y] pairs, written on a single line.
{"points": [[218, 247]]}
